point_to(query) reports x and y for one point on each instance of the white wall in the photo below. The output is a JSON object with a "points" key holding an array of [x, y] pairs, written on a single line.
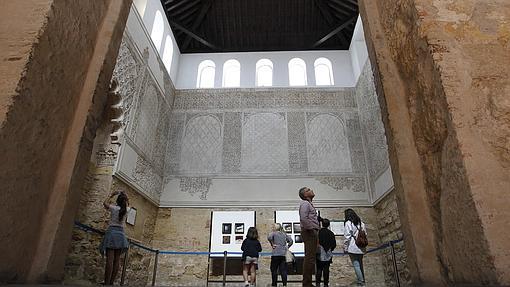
{"points": [[358, 49], [340, 60], [140, 22]]}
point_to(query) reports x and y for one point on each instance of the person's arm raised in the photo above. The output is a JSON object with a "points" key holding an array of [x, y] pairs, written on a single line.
{"points": [[106, 202]]}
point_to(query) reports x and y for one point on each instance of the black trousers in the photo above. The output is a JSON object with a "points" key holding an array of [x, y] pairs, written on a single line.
{"points": [[278, 262], [322, 269]]}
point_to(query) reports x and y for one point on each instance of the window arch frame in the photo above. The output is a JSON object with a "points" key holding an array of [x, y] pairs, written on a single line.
{"points": [[203, 66], [158, 30], [301, 64], [323, 61], [168, 53], [229, 76], [260, 65]]}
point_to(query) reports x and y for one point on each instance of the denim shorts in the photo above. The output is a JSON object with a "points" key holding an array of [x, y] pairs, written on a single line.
{"points": [[251, 260]]}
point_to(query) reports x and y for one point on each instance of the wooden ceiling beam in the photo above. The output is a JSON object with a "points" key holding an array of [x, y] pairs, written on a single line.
{"points": [[340, 12], [352, 8], [193, 35], [329, 18], [198, 20], [190, 5], [177, 5], [334, 32]]}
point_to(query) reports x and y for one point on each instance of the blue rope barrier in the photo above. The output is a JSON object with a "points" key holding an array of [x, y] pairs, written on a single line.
{"points": [[92, 229]]}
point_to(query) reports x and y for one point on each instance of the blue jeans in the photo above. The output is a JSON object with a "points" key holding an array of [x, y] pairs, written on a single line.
{"points": [[357, 262]]}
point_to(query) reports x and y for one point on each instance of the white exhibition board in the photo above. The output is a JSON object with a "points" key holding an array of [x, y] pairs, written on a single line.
{"points": [[289, 219], [229, 229]]}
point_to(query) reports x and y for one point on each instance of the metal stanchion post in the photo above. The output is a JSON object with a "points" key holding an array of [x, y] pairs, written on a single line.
{"points": [[395, 269], [124, 266], [224, 267], [155, 268]]}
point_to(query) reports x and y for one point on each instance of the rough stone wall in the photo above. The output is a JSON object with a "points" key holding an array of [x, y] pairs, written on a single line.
{"points": [[84, 264], [188, 229], [388, 229], [442, 71], [56, 59]]}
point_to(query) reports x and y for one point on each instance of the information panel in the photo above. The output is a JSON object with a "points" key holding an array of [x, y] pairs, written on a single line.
{"points": [[289, 219], [229, 229]]}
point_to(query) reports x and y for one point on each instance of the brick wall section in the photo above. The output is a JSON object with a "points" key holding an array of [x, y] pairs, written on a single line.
{"points": [[388, 229]]}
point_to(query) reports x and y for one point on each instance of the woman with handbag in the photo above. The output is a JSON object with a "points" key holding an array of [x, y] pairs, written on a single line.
{"points": [[280, 242], [354, 229], [327, 243]]}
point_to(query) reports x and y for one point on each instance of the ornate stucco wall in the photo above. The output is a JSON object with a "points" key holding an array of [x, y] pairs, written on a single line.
{"points": [[374, 138], [259, 146], [147, 107]]}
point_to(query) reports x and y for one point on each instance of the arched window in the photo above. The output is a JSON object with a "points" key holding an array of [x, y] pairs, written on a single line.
{"points": [[323, 72], [231, 74], [264, 75], [297, 72], [205, 77], [157, 30], [168, 53]]}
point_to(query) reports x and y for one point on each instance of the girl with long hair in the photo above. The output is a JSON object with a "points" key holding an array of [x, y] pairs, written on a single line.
{"points": [[114, 242], [280, 242], [353, 225], [251, 248]]}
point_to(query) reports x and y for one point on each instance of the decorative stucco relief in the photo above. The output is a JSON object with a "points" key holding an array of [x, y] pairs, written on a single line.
{"points": [[106, 155], [232, 131], [296, 126], [147, 118], [173, 150], [344, 184], [222, 99], [264, 144], [202, 145], [145, 176], [372, 125], [195, 185], [129, 73], [328, 147]]}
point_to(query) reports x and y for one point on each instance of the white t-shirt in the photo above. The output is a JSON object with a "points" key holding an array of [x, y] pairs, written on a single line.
{"points": [[350, 234], [114, 216]]}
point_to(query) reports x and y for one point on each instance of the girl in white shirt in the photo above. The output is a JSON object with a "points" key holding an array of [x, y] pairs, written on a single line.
{"points": [[353, 225], [114, 241]]}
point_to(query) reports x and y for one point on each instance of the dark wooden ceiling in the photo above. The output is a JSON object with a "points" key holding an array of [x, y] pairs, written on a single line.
{"points": [[203, 26]]}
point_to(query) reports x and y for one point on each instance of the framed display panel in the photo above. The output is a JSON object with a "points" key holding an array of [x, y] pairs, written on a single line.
{"points": [[289, 219], [228, 230], [131, 216]]}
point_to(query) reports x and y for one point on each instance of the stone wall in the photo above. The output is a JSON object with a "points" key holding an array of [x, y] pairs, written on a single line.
{"points": [[188, 229], [58, 59], [388, 229], [441, 79], [84, 265]]}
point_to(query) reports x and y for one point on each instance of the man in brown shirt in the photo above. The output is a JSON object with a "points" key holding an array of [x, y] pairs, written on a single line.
{"points": [[309, 228]]}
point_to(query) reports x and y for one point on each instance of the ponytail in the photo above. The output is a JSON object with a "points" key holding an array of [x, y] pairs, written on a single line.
{"points": [[122, 203]]}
